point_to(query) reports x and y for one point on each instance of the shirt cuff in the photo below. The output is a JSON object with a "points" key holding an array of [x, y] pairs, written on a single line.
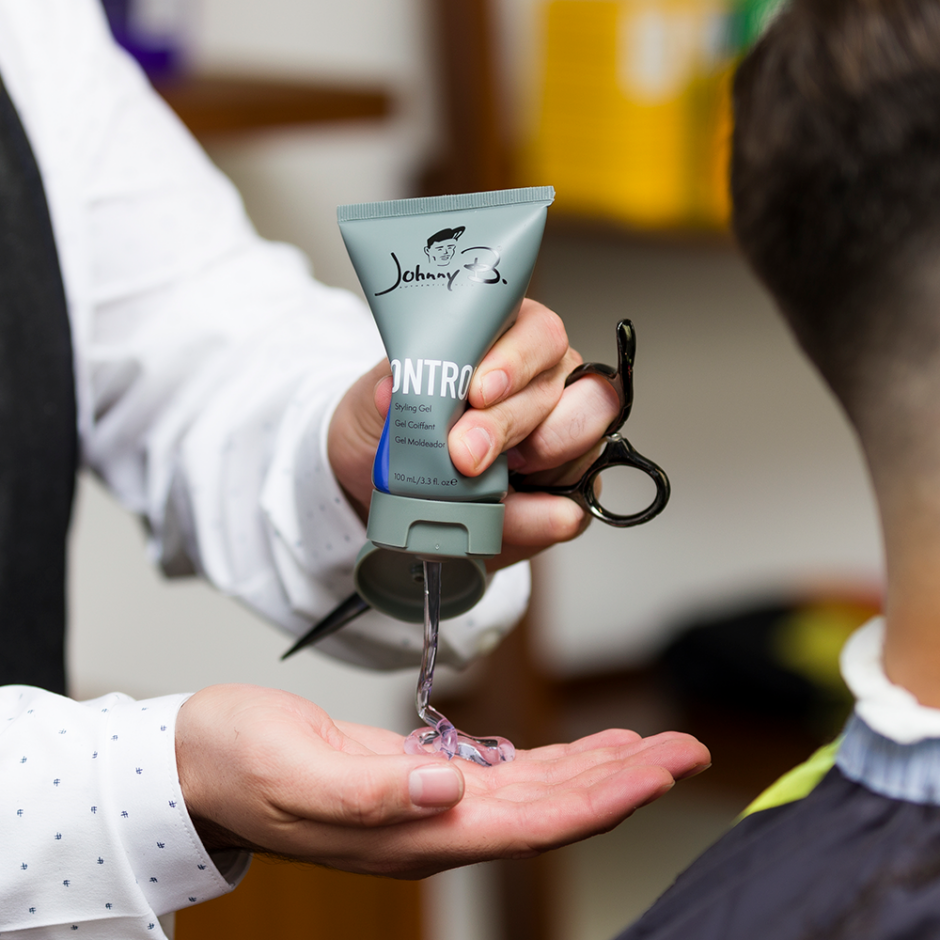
{"points": [[138, 762], [315, 533]]}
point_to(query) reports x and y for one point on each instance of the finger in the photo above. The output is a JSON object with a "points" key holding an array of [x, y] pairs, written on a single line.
{"points": [[678, 754], [479, 436], [533, 522], [515, 388], [610, 737], [536, 342], [520, 821], [571, 430], [566, 474], [595, 802], [681, 754]]}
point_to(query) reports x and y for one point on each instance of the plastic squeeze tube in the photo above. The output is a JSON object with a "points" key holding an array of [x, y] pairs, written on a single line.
{"points": [[445, 277]]}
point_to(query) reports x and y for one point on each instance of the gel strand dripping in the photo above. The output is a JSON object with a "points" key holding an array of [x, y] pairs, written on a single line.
{"points": [[441, 737]]}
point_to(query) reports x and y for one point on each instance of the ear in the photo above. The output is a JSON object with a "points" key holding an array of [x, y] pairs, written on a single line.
{"points": [[427, 251]]}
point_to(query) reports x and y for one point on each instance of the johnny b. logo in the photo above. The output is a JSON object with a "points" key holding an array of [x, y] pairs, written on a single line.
{"points": [[447, 261], [442, 246]]}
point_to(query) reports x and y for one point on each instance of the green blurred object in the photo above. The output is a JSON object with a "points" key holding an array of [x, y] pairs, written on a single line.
{"points": [[752, 18]]}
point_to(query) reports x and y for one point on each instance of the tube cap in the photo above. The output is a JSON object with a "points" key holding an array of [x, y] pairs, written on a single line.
{"points": [[435, 529]]}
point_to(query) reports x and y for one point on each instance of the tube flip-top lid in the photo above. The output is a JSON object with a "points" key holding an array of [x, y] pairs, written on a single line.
{"points": [[404, 531], [393, 583]]}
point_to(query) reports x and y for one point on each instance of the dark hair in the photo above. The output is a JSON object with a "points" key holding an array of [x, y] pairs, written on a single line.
{"points": [[835, 174], [446, 235]]}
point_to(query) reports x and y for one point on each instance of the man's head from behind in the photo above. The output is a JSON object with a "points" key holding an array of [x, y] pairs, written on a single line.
{"points": [[836, 191]]}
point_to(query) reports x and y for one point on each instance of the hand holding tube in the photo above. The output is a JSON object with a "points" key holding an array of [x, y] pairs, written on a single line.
{"points": [[520, 405]]}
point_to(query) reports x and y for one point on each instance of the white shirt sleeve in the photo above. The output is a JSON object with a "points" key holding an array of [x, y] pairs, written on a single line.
{"points": [[96, 839], [209, 362]]}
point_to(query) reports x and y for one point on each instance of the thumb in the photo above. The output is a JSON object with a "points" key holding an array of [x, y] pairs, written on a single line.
{"points": [[377, 790]]}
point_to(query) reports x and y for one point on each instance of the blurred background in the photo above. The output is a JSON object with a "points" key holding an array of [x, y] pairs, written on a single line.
{"points": [[722, 617]]}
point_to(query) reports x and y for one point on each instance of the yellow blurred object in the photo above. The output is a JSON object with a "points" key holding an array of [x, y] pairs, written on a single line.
{"points": [[810, 640], [634, 114], [710, 150]]}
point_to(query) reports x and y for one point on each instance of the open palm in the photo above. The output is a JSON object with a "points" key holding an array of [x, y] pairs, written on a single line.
{"points": [[271, 771]]}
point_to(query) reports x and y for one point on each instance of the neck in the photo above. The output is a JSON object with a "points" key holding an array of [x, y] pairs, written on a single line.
{"points": [[897, 420], [912, 611]]}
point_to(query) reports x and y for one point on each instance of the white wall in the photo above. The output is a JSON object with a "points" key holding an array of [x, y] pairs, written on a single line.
{"points": [[384, 43], [356, 40]]}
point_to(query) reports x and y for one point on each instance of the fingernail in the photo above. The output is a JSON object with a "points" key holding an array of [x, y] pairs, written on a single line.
{"points": [[662, 791], [435, 786], [493, 386], [697, 769], [479, 443]]}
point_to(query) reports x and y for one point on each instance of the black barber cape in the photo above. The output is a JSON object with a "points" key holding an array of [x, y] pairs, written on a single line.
{"points": [[840, 862], [38, 438]]}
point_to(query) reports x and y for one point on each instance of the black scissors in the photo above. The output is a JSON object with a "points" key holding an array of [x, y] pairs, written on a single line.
{"points": [[617, 452]]}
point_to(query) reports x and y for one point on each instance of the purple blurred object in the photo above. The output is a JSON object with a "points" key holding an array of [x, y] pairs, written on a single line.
{"points": [[150, 30]]}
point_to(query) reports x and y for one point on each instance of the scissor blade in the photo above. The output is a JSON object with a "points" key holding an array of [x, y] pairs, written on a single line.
{"points": [[350, 608]]}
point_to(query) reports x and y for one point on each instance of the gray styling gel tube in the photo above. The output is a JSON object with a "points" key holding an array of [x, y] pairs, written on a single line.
{"points": [[445, 277]]}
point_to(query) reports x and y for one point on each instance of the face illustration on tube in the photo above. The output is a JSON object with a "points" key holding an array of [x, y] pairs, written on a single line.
{"points": [[442, 245]]}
